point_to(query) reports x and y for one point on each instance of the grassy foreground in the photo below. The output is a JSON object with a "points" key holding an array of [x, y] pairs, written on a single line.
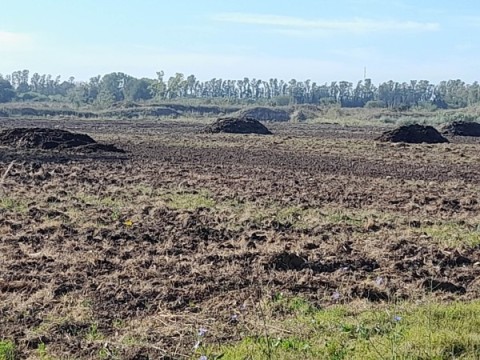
{"points": [[401, 331]]}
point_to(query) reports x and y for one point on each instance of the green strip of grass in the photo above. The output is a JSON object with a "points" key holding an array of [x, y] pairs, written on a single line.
{"points": [[403, 331], [189, 200], [453, 234], [7, 350]]}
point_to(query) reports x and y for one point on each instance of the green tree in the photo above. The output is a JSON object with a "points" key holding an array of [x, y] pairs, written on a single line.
{"points": [[137, 89], [158, 88], [112, 86], [7, 93]]}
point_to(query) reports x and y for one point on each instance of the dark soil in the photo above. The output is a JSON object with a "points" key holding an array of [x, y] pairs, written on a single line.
{"points": [[413, 134], [238, 126], [462, 128], [45, 138]]}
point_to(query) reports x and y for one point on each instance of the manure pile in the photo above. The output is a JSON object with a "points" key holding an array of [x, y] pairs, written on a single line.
{"points": [[46, 139], [413, 134], [233, 125], [462, 128]]}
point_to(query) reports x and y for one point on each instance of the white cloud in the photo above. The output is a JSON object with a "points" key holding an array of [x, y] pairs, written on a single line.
{"points": [[14, 41], [356, 25]]}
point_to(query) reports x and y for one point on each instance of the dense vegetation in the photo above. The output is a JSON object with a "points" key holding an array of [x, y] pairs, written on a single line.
{"points": [[102, 91]]}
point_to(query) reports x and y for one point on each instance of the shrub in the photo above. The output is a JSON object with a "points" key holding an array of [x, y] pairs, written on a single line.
{"points": [[32, 96], [459, 117], [375, 104]]}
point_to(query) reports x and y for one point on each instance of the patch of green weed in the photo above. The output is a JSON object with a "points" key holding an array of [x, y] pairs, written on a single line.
{"points": [[402, 331], [189, 200], [11, 204], [7, 350], [453, 234]]}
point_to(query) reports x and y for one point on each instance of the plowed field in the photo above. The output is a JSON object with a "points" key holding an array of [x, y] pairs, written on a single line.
{"points": [[128, 255]]}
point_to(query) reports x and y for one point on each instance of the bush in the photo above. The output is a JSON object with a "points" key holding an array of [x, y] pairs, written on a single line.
{"points": [[375, 104], [459, 117], [281, 101], [328, 102], [388, 120], [32, 96], [426, 106]]}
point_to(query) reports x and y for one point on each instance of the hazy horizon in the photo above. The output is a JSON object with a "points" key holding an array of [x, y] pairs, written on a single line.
{"points": [[322, 41]]}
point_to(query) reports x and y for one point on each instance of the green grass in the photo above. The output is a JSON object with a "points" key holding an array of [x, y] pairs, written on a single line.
{"points": [[7, 350], [43, 352], [107, 201], [453, 234], [402, 331], [94, 334], [11, 204], [189, 200], [304, 218]]}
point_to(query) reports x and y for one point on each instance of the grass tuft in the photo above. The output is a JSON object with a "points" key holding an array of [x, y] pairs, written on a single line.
{"points": [[7, 350], [190, 200]]}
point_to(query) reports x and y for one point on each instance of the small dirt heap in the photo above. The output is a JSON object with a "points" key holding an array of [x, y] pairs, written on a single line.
{"points": [[234, 125], [413, 134], [44, 138], [462, 128]]}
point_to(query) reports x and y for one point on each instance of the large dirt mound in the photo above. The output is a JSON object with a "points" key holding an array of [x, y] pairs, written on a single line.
{"points": [[236, 125], [265, 114], [413, 134], [45, 138], [462, 128]]}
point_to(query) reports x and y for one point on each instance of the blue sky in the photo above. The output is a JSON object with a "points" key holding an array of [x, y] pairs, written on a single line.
{"points": [[304, 39]]}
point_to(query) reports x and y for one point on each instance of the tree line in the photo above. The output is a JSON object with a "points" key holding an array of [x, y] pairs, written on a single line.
{"points": [[103, 91]]}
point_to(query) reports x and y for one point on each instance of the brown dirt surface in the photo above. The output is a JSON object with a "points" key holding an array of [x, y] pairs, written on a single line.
{"points": [[414, 134], [45, 138], [238, 125], [127, 257], [462, 128]]}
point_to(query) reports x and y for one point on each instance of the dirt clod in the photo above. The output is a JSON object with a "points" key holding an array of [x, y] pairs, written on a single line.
{"points": [[413, 134], [462, 128], [288, 261], [437, 285], [235, 125]]}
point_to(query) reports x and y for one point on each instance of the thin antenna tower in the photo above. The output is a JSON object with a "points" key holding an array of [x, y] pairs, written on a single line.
{"points": [[364, 73]]}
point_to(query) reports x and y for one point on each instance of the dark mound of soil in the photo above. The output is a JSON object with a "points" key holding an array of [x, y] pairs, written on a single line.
{"points": [[413, 134], [265, 114], [44, 138], [235, 125], [462, 128]]}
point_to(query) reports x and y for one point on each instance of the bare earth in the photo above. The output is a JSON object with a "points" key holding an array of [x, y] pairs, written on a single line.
{"points": [[132, 253]]}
